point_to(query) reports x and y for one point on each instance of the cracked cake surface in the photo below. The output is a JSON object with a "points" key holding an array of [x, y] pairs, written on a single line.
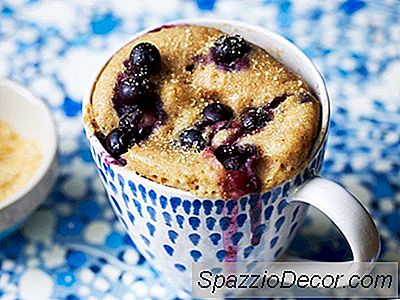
{"points": [[209, 91]]}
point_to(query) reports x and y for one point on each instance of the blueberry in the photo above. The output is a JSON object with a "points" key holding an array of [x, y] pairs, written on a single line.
{"points": [[233, 157], [256, 118], [134, 126], [192, 138], [135, 89], [131, 118], [117, 142], [138, 123], [121, 109], [217, 112], [145, 57], [306, 97], [229, 157], [229, 48], [145, 125]]}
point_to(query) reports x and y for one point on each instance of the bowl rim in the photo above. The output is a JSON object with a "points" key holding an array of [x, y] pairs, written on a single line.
{"points": [[48, 157], [214, 22]]}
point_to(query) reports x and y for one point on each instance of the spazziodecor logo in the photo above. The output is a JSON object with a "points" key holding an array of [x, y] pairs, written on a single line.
{"points": [[295, 279]]}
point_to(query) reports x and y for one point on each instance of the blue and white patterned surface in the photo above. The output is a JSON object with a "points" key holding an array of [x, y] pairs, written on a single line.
{"points": [[74, 248]]}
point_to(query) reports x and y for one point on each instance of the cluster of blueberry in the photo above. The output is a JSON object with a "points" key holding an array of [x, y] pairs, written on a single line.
{"points": [[234, 156], [231, 156], [226, 52], [135, 100], [257, 118], [212, 114]]}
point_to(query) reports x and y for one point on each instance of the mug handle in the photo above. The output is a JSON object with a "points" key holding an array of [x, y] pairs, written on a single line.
{"points": [[346, 212]]}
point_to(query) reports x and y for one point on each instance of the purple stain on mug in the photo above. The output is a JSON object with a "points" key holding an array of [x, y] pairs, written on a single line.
{"points": [[165, 27]]}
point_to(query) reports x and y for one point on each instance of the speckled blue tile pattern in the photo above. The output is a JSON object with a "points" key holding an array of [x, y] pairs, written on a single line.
{"points": [[75, 248]]}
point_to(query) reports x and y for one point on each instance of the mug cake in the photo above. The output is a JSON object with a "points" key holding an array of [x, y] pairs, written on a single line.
{"points": [[203, 111]]}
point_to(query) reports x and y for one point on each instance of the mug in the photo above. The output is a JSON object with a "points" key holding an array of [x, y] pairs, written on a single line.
{"points": [[173, 228]]}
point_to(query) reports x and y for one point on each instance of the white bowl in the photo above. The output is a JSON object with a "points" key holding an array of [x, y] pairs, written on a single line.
{"points": [[30, 117]]}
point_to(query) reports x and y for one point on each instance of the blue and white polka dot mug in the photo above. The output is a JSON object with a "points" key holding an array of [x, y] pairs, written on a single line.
{"points": [[173, 228]]}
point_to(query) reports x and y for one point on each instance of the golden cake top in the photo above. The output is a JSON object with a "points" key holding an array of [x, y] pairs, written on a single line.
{"points": [[203, 111]]}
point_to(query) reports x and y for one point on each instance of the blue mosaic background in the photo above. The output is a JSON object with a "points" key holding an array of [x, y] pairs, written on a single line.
{"points": [[74, 248]]}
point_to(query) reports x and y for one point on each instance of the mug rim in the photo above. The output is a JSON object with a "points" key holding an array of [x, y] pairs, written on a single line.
{"points": [[323, 96]]}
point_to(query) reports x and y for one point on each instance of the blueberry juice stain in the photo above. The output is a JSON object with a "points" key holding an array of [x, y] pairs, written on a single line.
{"points": [[238, 178]]}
